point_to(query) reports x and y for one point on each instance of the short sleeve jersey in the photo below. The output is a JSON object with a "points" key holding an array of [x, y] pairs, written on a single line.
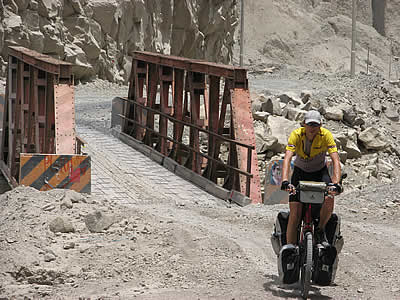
{"points": [[323, 142]]}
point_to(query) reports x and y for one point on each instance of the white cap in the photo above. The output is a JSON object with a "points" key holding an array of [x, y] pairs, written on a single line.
{"points": [[312, 116]]}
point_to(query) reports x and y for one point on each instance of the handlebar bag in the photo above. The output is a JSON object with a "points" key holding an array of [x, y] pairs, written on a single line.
{"points": [[312, 192]]}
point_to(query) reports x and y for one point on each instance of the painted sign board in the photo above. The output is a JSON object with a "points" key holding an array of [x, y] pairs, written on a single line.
{"points": [[49, 171], [273, 181]]}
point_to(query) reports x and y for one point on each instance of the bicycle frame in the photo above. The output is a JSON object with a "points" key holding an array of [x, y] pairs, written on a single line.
{"points": [[307, 224]]}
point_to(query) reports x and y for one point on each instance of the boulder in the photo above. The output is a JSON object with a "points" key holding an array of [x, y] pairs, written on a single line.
{"points": [[269, 145], [305, 96], [272, 106], [280, 128], [256, 100], [294, 114], [307, 106], [290, 97], [261, 116], [98, 221], [333, 113], [372, 139], [340, 139], [350, 116], [263, 139], [352, 149], [73, 196], [62, 225], [391, 113], [286, 107]]}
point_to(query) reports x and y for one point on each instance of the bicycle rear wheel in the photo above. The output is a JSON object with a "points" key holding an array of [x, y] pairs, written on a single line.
{"points": [[306, 266]]}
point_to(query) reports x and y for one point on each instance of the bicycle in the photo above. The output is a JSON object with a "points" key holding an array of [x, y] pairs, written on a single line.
{"points": [[312, 195]]}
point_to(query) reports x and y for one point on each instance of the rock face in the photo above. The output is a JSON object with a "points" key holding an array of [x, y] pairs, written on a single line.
{"points": [[99, 36]]}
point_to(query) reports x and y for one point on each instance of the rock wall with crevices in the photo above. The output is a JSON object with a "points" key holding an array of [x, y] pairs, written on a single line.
{"points": [[100, 36]]}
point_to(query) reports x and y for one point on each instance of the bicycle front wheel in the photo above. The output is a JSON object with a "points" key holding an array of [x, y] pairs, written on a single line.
{"points": [[306, 265]]}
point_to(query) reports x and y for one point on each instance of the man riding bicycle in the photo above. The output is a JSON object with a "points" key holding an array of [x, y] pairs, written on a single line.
{"points": [[310, 144]]}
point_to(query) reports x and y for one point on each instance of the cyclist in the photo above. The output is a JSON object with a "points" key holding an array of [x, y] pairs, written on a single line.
{"points": [[310, 144]]}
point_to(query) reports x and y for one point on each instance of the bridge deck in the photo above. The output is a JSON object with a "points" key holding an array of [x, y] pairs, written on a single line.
{"points": [[127, 176]]}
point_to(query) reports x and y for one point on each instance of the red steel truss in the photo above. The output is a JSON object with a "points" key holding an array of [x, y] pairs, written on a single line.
{"points": [[188, 110], [38, 111]]}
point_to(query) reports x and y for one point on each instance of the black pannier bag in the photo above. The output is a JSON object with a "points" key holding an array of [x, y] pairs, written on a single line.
{"points": [[278, 237], [326, 260], [288, 255], [288, 264]]}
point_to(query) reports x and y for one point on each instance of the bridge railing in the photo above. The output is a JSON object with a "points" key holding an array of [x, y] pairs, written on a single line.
{"points": [[189, 110]]}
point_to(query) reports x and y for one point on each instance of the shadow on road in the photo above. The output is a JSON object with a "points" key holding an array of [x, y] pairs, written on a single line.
{"points": [[290, 291]]}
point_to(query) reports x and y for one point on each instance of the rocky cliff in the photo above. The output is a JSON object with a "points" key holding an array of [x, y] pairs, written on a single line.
{"points": [[99, 36]]}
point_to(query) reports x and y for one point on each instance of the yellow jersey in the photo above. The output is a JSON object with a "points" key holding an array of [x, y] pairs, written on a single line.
{"points": [[323, 142]]}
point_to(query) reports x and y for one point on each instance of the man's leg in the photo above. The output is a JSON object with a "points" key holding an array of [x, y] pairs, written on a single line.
{"points": [[294, 220], [326, 212]]}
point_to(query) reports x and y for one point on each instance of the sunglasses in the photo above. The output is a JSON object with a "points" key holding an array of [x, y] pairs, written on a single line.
{"points": [[313, 124]]}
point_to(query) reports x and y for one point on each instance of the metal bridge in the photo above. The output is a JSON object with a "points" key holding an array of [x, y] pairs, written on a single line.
{"points": [[184, 110]]}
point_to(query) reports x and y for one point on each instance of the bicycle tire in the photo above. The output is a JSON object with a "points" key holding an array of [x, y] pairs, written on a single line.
{"points": [[306, 265]]}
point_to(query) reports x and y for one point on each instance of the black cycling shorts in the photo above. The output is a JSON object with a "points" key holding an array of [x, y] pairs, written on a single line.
{"points": [[299, 174]]}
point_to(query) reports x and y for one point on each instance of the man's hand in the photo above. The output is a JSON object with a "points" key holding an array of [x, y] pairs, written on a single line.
{"points": [[334, 188], [285, 185], [288, 187]]}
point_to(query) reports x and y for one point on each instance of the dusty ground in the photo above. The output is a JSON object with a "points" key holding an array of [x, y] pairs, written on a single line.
{"points": [[162, 250]]}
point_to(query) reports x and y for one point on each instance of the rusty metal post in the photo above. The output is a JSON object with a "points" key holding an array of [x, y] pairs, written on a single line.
{"points": [[213, 123], [178, 91]]}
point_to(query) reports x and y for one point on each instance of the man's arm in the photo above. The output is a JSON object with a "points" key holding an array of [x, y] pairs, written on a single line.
{"points": [[286, 165], [337, 172]]}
